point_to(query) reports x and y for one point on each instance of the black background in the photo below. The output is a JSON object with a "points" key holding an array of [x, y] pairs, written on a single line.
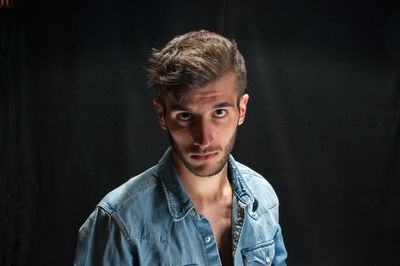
{"points": [[76, 118]]}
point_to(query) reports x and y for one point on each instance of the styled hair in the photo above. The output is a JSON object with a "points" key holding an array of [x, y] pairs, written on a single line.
{"points": [[193, 60]]}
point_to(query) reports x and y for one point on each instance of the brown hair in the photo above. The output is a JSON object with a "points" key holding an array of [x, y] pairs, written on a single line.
{"points": [[193, 60]]}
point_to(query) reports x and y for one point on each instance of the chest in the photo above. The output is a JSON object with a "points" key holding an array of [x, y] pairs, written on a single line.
{"points": [[187, 241], [221, 223]]}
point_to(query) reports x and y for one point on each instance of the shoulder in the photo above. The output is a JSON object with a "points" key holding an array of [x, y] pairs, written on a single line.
{"points": [[259, 185], [137, 210], [135, 202], [128, 193]]}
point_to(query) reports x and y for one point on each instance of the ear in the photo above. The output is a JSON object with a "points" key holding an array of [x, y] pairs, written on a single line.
{"points": [[242, 108], [160, 110]]}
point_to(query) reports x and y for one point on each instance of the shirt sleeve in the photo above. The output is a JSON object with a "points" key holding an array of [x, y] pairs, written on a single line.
{"points": [[280, 250], [101, 241]]}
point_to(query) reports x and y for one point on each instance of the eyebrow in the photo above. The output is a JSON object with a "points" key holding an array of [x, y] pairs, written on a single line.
{"points": [[179, 107], [222, 105]]}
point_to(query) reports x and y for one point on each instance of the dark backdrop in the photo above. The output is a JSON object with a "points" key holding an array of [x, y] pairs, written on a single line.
{"points": [[76, 118]]}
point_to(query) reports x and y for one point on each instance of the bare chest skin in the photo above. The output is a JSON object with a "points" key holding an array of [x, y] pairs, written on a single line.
{"points": [[220, 217]]}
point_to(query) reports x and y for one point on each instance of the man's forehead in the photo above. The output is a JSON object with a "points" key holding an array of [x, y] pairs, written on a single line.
{"points": [[189, 108], [201, 98]]}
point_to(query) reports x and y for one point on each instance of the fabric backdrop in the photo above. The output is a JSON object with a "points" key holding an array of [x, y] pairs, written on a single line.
{"points": [[323, 127]]}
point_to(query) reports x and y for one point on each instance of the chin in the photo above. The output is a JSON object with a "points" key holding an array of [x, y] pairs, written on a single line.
{"points": [[206, 169]]}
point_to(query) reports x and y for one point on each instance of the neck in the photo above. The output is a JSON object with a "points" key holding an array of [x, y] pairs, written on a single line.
{"points": [[204, 190]]}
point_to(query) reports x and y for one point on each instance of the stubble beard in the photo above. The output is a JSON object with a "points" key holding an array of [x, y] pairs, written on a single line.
{"points": [[198, 170]]}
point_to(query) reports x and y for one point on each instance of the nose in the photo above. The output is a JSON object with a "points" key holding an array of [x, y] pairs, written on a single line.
{"points": [[203, 133]]}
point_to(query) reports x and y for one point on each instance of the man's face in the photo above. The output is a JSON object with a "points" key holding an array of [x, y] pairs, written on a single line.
{"points": [[202, 128]]}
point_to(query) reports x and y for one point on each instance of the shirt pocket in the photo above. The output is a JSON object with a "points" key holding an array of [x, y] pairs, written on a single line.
{"points": [[260, 254]]}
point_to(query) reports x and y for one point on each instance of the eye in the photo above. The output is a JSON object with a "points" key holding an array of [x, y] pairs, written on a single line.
{"points": [[220, 113], [185, 116]]}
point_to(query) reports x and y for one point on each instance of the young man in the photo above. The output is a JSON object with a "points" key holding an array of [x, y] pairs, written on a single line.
{"points": [[198, 206]]}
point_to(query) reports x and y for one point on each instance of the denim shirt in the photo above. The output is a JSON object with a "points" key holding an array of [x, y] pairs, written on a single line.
{"points": [[151, 220]]}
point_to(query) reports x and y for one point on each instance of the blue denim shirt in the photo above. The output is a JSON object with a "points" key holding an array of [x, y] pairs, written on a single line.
{"points": [[151, 220]]}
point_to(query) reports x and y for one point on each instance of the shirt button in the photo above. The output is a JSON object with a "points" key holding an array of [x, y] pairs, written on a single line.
{"points": [[268, 260], [246, 198], [207, 239]]}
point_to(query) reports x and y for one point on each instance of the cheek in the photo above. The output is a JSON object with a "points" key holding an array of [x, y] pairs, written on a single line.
{"points": [[179, 129], [181, 135], [230, 122], [225, 131]]}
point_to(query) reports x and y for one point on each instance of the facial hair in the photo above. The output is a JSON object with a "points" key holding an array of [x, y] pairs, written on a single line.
{"points": [[197, 170]]}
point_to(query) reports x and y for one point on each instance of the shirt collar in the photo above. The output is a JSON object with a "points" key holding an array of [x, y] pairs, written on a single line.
{"points": [[179, 201], [240, 187]]}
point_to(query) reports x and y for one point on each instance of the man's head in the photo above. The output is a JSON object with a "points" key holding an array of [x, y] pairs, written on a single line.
{"points": [[193, 60], [200, 78]]}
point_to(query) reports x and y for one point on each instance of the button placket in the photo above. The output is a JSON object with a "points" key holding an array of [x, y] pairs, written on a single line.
{"points": [[208, 240]]}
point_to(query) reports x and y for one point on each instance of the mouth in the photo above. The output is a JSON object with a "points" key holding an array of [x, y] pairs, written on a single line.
{"points": [[203, 156]]}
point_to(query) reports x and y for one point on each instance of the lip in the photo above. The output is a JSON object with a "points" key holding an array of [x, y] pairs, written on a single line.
{"points": [[203, 156]]}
